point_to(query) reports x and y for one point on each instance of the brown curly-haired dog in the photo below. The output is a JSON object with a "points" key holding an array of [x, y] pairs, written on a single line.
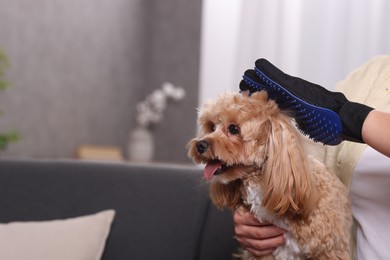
{"points": [[255, 159]]}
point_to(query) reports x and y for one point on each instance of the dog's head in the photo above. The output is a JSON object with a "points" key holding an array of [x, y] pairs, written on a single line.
{"points": [[242, 134]]}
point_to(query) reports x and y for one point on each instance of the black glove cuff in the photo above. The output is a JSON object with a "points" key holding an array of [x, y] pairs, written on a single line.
{"points": [[352, 116]]}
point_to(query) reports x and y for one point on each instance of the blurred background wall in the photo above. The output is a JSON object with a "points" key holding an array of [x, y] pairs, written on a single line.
{"points": [[80, 66]]}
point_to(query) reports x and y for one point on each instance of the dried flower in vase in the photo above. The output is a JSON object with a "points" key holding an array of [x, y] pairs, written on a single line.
{"points": [[150, 111]]}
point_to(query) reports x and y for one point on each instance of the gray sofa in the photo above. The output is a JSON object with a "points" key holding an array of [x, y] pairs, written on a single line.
{"points": [[162, 211]]}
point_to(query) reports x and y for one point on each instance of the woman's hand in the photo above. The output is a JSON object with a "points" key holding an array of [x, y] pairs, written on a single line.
{"points": [[259, 239]]}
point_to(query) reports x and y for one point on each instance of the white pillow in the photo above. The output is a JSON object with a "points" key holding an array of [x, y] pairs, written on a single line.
{"points": [[80, 238]]}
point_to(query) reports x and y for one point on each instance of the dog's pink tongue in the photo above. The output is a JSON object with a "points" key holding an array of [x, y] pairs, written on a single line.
{"points": [[211, 168]]}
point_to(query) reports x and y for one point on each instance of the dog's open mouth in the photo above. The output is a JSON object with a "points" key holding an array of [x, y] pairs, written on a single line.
{"points": [[214, 167]]}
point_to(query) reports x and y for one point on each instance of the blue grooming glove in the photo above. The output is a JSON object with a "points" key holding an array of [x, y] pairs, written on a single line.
{"points": [[325, 116]]}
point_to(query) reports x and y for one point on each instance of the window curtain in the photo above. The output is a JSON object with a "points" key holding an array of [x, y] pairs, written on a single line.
{"points": [[321, 41]]}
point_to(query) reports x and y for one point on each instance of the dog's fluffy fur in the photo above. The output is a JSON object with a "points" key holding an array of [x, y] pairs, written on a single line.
{"points": [[258, 163]]}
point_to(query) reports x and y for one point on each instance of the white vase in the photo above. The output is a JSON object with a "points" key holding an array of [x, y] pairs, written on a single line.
{"points": [[140, 145]]}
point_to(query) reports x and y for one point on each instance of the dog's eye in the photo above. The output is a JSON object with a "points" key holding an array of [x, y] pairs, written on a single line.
{"points": [[233, 129]]}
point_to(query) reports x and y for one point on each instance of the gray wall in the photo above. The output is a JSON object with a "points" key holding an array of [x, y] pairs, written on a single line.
{"points": [[80, 66]]}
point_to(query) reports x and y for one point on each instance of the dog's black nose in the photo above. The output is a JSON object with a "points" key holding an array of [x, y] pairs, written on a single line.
{"points": [[201, 146]]}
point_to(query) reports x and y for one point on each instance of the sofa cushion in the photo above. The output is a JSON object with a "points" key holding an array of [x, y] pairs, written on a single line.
{"points": [[77, 238]]}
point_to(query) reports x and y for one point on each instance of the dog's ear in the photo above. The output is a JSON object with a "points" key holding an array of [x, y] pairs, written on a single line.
{"points": [[226, 195], [287, 185]]}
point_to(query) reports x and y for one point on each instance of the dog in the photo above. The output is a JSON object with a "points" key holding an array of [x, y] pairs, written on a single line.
{"points": [[255, 161]]}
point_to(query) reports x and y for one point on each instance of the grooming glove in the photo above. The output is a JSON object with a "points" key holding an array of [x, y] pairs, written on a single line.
{"points": [[325, 116]]}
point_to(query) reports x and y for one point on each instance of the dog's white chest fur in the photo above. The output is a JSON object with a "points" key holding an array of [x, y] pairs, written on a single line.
{"points": [[291, 250]]}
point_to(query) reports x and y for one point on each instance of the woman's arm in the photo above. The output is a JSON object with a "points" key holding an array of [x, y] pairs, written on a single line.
{"points": [[376, 131]]}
